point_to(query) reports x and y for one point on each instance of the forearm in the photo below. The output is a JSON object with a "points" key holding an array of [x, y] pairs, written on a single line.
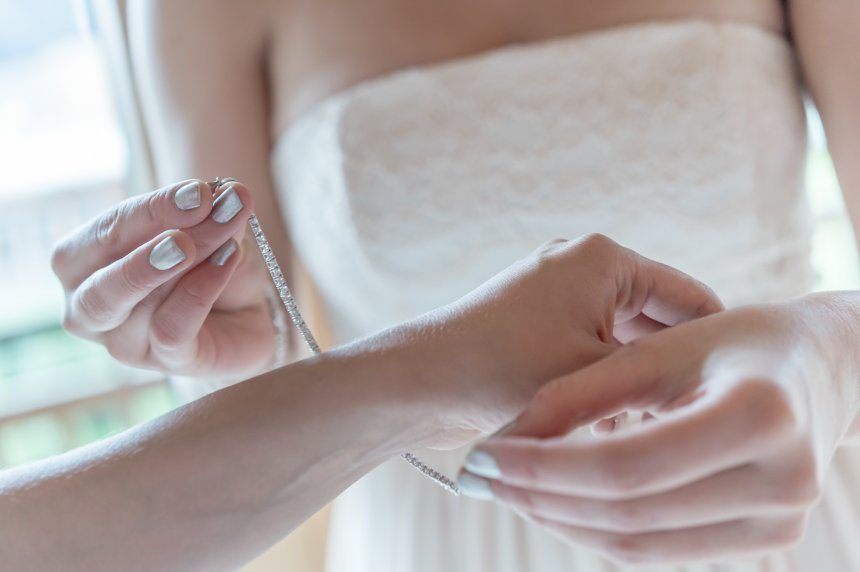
{"points": [[214, 483]]}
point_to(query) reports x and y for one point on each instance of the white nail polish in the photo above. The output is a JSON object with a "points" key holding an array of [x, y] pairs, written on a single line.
{"points": [[166, 254], [475, 487], [482, 463], [188, 196], [226, 206], [224, 252]]}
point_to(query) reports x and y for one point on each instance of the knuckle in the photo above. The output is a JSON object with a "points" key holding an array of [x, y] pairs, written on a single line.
{"points": [[798, 488], [130, 281], [165, 335], [553, 245], [596, 240], [118, 349], [106, 231], [60, 257], [550, 249], [91, 305], [70, 324], [597, 245], [195, 297], [767, 407], [151, 203]]}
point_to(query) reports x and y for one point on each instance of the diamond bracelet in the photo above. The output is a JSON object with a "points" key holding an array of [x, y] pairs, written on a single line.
{"points": [[296, 317]]}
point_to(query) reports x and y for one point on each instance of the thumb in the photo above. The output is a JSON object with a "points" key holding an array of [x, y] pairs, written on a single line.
{"points": [[629, 379]]}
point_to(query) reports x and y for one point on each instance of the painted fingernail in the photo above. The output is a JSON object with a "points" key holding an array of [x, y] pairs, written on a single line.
{"points": [[475, 486], [166, 254], [224, 252], [227, 206], [188, 196], [482, 463]]}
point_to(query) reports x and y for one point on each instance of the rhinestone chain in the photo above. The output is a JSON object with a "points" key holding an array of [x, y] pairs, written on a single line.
{"points": [[290, 304]]}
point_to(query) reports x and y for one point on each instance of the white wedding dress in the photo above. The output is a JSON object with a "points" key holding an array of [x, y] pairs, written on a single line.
{"points": [[683, 140]]}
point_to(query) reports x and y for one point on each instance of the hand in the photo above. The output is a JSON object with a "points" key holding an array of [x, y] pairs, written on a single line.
{"points": [[565, 306], [189, 301], [750, 405]]}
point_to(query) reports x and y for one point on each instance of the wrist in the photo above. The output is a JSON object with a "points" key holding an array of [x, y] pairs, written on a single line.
{"points": [[834, 319], [396, 378], [437, 377]]}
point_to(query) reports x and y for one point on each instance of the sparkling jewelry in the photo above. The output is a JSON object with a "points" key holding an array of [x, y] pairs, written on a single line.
{"points": [[296, 317]]}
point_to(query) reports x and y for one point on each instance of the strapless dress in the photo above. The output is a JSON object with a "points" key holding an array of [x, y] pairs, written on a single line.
{"points": [[683, 140]]}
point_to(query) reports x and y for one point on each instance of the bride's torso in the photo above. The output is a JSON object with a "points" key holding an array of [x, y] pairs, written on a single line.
{"points": [[684, 140], [318, 48]]}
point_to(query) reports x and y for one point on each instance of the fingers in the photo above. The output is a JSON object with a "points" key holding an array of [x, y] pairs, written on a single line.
{"points": [[107, 297], [729, 540], [636, 327], [648, 374], [229, 215], [187, 334], [739, 493], [630, 378], [122, 229], [715, 434], [662, 293], [175, 324]]}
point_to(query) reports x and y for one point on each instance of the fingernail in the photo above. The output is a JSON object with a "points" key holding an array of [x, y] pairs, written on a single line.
{"points": [[474, 486], [188, 196], [504, 429], [224, 252], [166, 254], [227, 206], [482, 463]]}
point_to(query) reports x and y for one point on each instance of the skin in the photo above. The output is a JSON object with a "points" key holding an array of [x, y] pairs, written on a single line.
{"points": [[212, 484], [196, 317], [217, 95], [734, 461], [201, 123]]}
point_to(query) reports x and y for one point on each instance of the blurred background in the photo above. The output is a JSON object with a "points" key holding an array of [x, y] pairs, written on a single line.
{"points": [[67, 154], [70, 146]]}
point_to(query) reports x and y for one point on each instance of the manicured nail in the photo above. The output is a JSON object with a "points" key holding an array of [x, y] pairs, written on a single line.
{"points": [[227, 206], [166, 254], [188, 196], [475, 486], [224, 252], [482, 463]]}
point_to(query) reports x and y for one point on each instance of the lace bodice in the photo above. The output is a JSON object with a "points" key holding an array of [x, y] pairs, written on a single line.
{"points": [[683, 140]]}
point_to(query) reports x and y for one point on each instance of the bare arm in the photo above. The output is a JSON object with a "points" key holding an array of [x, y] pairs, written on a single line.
{"points": [[211, 485], [201, 71], [828, 44], [199, 68]]}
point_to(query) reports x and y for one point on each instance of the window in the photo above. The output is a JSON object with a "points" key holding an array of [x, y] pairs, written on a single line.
{"points": [[834, 252], [65, 156]]}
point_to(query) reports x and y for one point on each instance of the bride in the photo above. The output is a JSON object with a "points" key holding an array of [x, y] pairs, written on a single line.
{"points": [[404, 152]]}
